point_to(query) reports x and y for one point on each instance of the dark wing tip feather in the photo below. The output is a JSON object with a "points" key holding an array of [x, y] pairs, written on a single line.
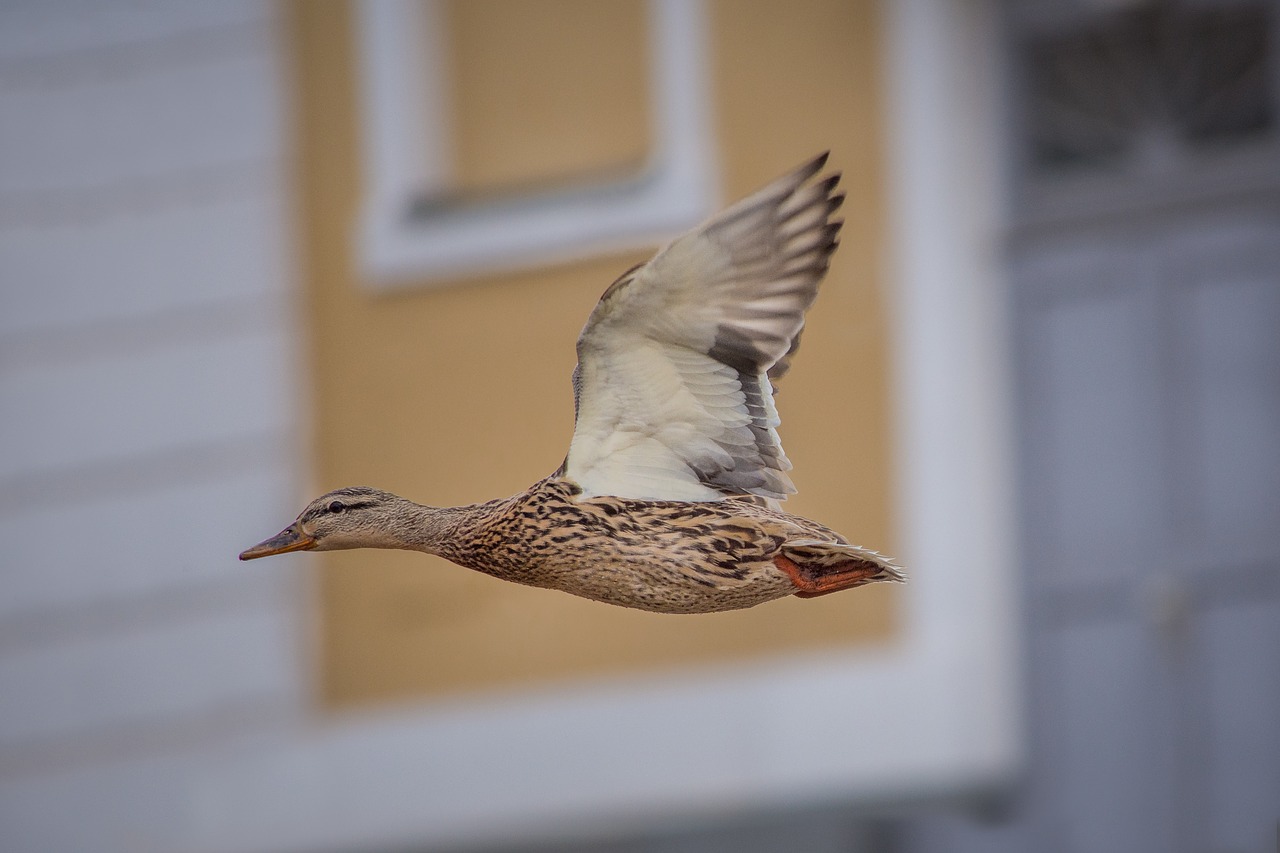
{"points": [[831, 230], [800, 175]]}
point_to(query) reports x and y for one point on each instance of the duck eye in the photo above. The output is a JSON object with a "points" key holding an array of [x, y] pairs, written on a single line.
{"points": [[337, 506]]}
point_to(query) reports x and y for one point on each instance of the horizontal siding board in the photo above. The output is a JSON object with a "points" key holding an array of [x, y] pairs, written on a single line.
{"points": [[147, 676], [183, 536], [109, 131], [161, 399], [38, 29], [136, 265]]}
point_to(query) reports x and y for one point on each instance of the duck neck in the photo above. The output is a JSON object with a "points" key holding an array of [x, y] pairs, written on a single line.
{"points": [[432, 529]]}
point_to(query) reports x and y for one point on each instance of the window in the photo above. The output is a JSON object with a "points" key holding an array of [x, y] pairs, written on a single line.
{"points": [[415, 230]]}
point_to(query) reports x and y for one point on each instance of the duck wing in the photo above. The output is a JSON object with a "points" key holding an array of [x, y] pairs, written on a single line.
{"points": [[672, 389]]}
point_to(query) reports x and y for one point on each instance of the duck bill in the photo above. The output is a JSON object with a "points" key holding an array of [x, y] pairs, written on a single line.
{"points": [[290, 539]]}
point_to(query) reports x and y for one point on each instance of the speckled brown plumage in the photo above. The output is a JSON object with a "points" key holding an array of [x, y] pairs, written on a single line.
{"points": [[666, 556]]}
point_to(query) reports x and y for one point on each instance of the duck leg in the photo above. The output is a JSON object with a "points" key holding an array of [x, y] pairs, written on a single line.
{"points": [[817, 568]]}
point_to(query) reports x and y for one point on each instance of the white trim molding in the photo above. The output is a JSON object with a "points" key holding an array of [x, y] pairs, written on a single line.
{"points": [[413, 231], [953, 382]]}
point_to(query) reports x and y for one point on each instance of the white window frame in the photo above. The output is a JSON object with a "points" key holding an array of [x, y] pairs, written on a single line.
{"points": [[412, 232]]}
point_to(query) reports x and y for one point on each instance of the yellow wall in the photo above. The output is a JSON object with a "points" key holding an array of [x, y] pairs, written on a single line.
{"points": [[459, 394], [546, 90]]}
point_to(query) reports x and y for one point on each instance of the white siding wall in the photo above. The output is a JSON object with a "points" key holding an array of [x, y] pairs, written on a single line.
{"points": [[147, 418]]}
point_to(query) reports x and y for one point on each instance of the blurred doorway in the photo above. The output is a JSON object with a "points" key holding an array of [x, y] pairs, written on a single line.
{"points": [[1144, 265]]}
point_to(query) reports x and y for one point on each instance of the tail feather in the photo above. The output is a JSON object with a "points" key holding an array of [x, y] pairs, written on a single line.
{"points": [[819, 568]]}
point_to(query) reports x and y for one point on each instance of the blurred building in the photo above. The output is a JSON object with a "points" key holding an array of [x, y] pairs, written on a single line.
{"points": [[250, 251]]}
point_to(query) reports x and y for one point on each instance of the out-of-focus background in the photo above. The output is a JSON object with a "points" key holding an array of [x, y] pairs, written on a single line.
{"points": [[250, 251]]}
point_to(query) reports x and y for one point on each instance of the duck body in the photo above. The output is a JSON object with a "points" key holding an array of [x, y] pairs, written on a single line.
{"points": [[668, 499], [661, 556]]}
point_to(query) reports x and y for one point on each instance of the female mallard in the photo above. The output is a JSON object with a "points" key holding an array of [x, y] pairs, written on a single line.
{"points": [[667, 500]]}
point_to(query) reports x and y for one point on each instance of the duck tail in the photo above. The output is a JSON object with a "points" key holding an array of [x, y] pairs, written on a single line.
{"points": [[818, 568]]}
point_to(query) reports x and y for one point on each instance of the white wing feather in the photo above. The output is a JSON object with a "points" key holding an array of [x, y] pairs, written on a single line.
{"points": [[672, 388]]}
